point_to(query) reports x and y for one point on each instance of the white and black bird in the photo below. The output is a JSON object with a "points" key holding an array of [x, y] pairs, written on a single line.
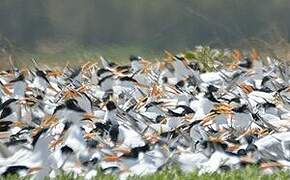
{"points": [[10, 110]]}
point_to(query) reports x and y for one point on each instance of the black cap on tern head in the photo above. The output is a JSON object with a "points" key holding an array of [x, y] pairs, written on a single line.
{"points": [[42, 75], [72, 104], [7, 103], [19, 78], [102, 71], [246, 63], [251, 148], [111, 106], [12, 170], [180, 83], [165, 79], [134, 58], [241, 152], [66, 150], [194, 66], [67, 125], [212, 88], [180, 57]]}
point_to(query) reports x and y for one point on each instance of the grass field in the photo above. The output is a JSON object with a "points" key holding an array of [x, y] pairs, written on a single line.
{"points": [[62, 53], [249, 173], [76, 55]]}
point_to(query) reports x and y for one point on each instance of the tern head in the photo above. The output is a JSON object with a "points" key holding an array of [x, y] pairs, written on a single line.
{"points": [[241, 109], [42, 75], [210, 96], [21, 77], [70, 111], [180, 84], [66, 150], [9, 102], [246, 63], [72, 104], [211, 88], [242, 152], [194, 66], [102, 72], [111, 106], [135, 58], [8, 107], [16, 169], [209, 93]]}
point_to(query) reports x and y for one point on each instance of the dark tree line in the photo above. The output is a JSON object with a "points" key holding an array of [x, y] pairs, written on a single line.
{"points": [[155, 24]]}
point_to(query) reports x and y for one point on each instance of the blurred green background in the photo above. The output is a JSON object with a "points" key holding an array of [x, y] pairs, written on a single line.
{"points": [[63, 30]]}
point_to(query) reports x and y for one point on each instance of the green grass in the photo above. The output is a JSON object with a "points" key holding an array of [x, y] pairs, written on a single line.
{"points": [[77, 55], [249, 173], [60, 55]]}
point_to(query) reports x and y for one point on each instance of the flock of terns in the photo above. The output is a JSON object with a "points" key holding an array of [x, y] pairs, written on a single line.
{"points": [[137, 119]]}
